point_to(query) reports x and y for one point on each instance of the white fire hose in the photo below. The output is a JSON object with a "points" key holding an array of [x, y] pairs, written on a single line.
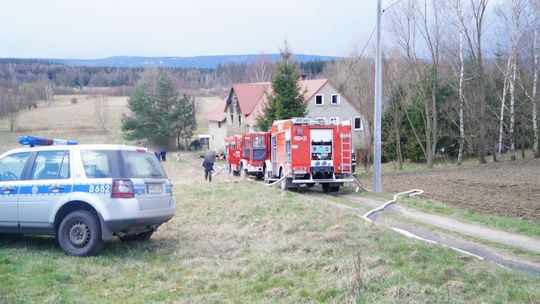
{"points": [[278, 181], [409, 193], [216, 172], [409, 234]]}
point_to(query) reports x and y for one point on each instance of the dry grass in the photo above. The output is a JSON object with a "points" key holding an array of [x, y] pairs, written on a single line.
{"points": [[86, 121], [237, 241]]}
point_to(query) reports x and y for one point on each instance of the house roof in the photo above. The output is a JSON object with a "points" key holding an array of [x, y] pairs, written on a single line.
{"points": [[249, 95], [218, 113], [311, 87], [253, 96]]}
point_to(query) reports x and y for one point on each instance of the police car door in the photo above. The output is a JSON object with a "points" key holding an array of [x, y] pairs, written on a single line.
{"points": [[11, 169], [47, 184]]}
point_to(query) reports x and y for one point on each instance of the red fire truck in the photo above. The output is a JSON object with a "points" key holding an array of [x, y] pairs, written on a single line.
{"points": [[305, 151], [248, 153], [233, 152]]}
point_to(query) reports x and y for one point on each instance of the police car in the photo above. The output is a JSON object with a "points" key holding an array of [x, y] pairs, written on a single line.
{"points": [[83, 194]]}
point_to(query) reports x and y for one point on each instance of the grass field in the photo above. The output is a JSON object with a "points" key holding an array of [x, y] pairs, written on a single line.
{"points": [[240, 248], [237, 241], [93, 119]]}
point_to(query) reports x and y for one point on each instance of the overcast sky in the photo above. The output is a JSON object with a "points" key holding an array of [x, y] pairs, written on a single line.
{"points": [[103, 28]]}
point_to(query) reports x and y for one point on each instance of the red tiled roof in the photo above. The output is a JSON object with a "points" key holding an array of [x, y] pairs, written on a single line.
{"points": [[253, 96], [311, 87], [249, 95], [218, 113]]}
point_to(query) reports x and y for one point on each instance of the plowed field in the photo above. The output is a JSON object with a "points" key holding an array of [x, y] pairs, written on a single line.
{"points": [[510, 188]]}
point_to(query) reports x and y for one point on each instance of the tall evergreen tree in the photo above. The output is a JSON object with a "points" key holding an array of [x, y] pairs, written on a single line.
{"points": [[286, 100], [159, 117]]}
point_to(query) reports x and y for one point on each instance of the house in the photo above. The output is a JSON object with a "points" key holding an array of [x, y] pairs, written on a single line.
{"points": [[217, 129], [245, 101]]}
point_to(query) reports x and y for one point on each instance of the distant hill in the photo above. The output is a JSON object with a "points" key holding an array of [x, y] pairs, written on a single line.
{"points": [[178, 62]]}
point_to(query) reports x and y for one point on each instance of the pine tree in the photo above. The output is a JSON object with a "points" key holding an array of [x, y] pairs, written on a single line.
{"points": [[159, 117], [286, 100]]}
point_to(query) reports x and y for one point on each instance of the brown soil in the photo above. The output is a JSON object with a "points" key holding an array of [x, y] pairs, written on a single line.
{"points": [[510, 188]]}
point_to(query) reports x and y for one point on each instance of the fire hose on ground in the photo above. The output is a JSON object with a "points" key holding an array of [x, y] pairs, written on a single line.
{"points": [[409, 193]]}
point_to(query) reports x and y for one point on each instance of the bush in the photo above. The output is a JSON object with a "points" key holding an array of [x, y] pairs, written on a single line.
{"points": [[74, 100]]}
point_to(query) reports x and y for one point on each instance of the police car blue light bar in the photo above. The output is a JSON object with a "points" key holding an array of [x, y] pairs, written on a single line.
{"points": [[39, 141]]}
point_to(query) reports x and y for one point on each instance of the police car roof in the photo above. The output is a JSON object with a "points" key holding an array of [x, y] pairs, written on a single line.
{"points": [[78, 147]]}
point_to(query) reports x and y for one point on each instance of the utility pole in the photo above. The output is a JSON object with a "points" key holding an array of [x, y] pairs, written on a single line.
{"points": [[378, 108]]}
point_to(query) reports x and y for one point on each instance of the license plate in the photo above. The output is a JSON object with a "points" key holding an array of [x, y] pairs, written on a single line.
{"points": [[154, 188]]}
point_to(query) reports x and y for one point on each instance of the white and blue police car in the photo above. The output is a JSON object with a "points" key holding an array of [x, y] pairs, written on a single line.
{"points": [[83, 194]]}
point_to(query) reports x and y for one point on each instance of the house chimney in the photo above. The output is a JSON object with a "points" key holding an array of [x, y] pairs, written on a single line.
{"points": [[303, 76]]}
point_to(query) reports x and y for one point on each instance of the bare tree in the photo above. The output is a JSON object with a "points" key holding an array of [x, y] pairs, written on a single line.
{"points": [[261, 69], [413, 22], [461, 79], [474, 40], [516, 10], [536, 152]]}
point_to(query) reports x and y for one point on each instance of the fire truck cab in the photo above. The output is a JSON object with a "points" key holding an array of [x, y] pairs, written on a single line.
{"points": [[233, 154], [308, 152], [254, 154], [246, 154]]}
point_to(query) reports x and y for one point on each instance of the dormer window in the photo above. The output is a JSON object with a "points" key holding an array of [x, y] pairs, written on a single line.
{"points": [[319, 99]]}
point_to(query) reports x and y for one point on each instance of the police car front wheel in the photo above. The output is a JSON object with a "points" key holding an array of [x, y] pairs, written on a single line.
{"points": [[79, 234]]}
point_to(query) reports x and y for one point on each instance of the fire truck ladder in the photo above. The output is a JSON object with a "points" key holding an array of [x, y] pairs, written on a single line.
{"points": [[346, 153]]}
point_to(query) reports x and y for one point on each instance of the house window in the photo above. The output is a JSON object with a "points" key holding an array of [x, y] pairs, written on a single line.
{"points": [[319, 99], [239, 120], [234, 100], [358, 125], [219, 124], [335, 99]]}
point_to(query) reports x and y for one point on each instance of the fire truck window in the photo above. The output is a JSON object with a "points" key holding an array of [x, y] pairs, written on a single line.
{"points": [[288, 151], [246, 149], [321, 150], [258, 142]]}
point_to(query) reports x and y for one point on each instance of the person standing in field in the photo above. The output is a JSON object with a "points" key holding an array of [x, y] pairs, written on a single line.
{"points": [[208, 165]]}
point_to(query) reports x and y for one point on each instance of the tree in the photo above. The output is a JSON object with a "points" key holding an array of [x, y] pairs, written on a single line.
{"points": [[286, 99], [159, 114], [422, 23], [260, 70]]}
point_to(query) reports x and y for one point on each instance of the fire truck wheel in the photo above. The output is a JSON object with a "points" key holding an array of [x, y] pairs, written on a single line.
{"points": [[325, 188], [243, 172], [267, 176], [283, 184], [334, 189]]}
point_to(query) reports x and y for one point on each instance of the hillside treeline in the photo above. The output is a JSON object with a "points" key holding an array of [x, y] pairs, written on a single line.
{"points": [[459, 78], [24, 81]]}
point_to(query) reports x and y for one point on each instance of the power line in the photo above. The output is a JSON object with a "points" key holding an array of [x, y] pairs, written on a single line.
{"points": [[392, 5], [360, 55], [367, 43]]}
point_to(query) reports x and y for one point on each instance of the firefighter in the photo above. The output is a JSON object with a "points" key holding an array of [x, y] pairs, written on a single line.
{"points": [[208, 164]]}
